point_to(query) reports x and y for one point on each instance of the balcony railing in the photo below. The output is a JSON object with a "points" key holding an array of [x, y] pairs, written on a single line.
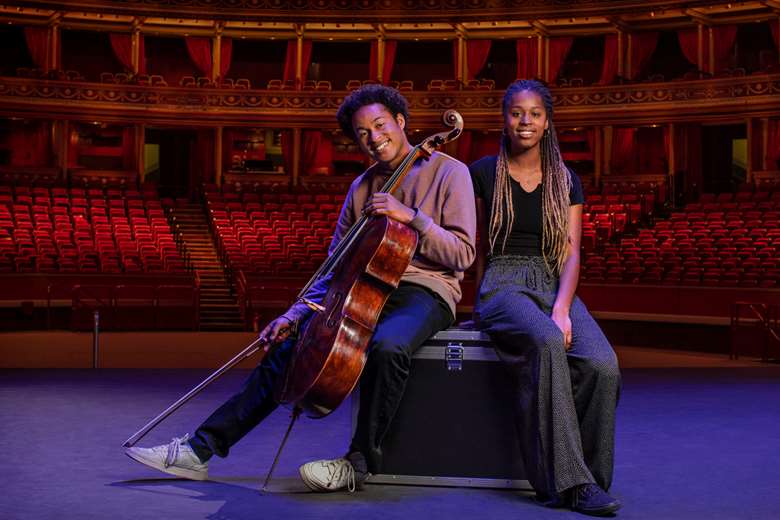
{"points": [[719, 99]]}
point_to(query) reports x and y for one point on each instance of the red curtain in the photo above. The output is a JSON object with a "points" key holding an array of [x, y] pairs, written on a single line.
{"points": [[141, 55], [590, 136], [463, 152], [199, 50], [289, 63], [689, 43], [73, 146], [475, 145], [775, 27], [37, 43], [122, 44], [390, 47], [311, 142], [387, 69], [225, 55], [30, 144], [455, 55], [724, 36], [773, 145], [680, 140], [317, 154], [287, 151], [690, 136], [477, 52], [609, 66], [667, 142], [305, 59], [650, 150], [484, 144], [128, 148], [642, 47], [373, 61], [559, 49], [202, 158], [623, 150], [527, 58]]}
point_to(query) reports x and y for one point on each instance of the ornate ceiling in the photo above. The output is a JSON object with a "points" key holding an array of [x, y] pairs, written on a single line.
{"points": [[351, 19]]}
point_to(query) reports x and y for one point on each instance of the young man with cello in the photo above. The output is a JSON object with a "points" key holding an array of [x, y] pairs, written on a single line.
{"points": [[436, 200]]}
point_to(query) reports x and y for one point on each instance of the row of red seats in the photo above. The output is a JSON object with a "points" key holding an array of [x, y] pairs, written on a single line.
{"points": [[212, 194], [454, 84], [725, 207], [280, 207], [282, 233], [617, 198], [770, 211], [203, 82], [740, 196], [61, 191], [282, 247], [737, 248], [648, 189], [86, 235], [273, 210]]}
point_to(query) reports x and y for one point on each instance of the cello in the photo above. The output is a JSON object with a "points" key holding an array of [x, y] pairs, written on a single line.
{"points": [[364, 268]]}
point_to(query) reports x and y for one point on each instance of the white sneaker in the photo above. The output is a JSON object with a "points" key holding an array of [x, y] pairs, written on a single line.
{"points": [[176, 458], [328, 475]]}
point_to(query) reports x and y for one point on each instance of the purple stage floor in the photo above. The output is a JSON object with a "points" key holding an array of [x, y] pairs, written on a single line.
{"points": [[691, 444]]}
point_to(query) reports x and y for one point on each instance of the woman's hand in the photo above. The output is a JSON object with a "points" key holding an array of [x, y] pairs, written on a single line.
{"points": [[563, 321], [386, 204]]}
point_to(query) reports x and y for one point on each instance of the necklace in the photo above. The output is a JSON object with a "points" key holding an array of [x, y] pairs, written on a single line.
{"points": [[528, 181]]}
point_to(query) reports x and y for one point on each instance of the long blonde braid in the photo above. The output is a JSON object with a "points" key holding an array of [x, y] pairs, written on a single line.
{"points": [[556, 185]]}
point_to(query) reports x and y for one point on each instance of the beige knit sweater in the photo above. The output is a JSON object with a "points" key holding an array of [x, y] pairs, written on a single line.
{"points": [[440, 190]]}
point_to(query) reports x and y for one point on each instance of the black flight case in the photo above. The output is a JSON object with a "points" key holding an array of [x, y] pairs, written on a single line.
{"points": [[455, 424]]}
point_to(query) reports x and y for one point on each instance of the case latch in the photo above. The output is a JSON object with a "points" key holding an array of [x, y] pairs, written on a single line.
{"points": [[453, 356]]}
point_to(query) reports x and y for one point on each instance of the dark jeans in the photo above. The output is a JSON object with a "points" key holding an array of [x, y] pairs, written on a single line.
{"points": [[411, 315]]}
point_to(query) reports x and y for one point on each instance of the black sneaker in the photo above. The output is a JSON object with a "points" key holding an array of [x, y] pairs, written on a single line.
{"points": [[590, 499]]}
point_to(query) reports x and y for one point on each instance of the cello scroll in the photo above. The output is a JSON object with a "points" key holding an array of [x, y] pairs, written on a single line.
{"points": [[450, 118]]}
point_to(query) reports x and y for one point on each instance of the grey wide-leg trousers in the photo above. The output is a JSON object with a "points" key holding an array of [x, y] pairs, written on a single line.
{"points": [[565, 400]]}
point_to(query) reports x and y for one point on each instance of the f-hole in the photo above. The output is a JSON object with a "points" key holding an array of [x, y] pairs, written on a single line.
{"points": [[335, 311]]}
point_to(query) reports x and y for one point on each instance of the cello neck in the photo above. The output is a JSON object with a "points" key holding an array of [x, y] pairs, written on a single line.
{"points": [[400, 173]]}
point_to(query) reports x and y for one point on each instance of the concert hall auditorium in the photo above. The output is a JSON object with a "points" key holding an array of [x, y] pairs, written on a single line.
{"points": [[171, 176]]}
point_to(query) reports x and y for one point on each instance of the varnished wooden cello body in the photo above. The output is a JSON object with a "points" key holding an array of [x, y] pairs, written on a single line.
{"points": [[365, 268], [331, 351]]}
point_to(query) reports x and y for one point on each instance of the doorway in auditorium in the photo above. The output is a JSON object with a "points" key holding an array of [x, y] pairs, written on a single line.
{"points": [[724, 157], [173, 160]]}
